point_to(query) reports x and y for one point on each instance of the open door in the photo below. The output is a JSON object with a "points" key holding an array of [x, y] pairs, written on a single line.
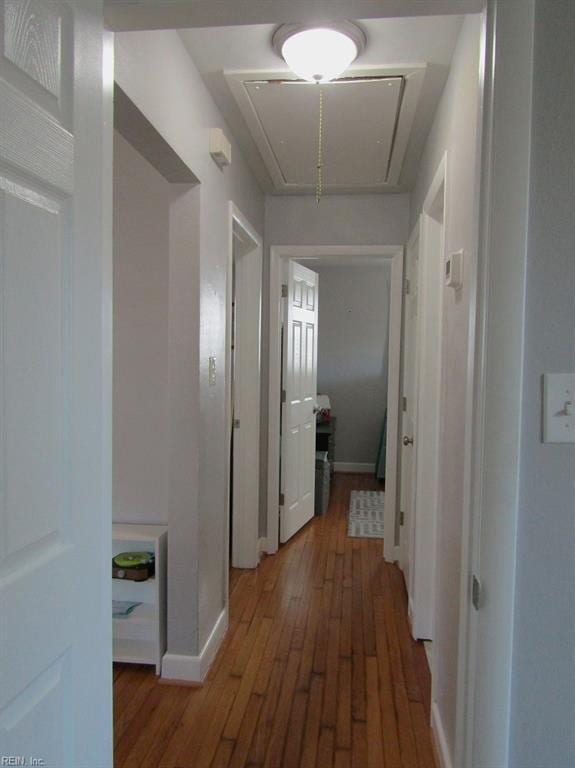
{"points": [[55, 444], [299, 397]]}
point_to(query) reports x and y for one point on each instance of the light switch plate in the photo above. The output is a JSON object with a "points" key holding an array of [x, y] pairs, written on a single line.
{"points": [[559, 408], [212, 371], [454, 270]]}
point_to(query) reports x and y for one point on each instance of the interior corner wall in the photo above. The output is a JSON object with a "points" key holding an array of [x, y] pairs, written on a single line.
{"points": [[140, 392], [352, 363], [455, 131], [335, 220], [543, 671], [157, 74]]}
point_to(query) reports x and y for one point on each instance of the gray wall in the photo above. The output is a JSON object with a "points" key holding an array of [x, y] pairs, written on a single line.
{"points": [[141, 266], [353, 354], [543, 679], [156, 72]]}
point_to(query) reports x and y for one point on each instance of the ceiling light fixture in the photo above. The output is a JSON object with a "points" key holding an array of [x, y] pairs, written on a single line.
{"points": [[319, 54]]}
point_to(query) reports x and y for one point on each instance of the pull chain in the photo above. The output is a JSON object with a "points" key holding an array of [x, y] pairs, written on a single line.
{"points": [[319, 166]]}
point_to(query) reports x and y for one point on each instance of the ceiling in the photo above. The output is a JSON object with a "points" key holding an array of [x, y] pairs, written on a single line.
{"points": [[374, 131], [122, 15]]}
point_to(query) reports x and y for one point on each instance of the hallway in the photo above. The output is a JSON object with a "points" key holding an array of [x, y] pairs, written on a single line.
{"points": [[318, 668]]}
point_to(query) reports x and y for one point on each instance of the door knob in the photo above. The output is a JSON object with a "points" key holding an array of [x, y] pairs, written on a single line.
{"points": [[407, 440]]}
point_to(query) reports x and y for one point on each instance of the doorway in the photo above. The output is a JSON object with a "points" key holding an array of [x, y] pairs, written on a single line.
{"points": [[279, 257], [243, 400]]}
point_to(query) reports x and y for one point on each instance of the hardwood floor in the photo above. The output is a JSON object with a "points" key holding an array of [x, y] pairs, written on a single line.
{"points": [[318, 668]]}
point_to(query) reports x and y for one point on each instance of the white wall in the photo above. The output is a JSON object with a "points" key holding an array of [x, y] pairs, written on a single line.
{"points": [[337, 220], [155, 71], [543, 673], [353, 354], [141, 266], [455, 131]]}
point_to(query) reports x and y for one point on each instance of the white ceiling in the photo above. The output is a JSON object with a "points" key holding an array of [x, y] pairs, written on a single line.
{"points": [[178, 14], [394, 45]]}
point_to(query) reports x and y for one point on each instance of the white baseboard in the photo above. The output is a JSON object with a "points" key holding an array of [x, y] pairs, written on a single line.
{"points": [[351, 466], [439, 739], [193, 669]]}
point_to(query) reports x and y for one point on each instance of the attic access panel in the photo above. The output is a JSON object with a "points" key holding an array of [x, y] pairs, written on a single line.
{"points": [[359, 122]]}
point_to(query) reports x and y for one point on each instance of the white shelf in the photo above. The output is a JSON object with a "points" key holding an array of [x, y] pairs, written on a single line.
{"points": [[134, 651], [140, 638]]}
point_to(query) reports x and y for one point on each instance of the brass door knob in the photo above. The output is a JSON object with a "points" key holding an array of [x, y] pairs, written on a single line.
{"points": [[407, 440]]}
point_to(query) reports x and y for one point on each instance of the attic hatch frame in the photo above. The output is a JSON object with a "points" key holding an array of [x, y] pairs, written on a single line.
{"points": [[411, 80]]}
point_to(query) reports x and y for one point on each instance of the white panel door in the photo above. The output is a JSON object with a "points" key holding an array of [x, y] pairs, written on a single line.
{"points": [[55, 449], [299, 407], [409, 413]]}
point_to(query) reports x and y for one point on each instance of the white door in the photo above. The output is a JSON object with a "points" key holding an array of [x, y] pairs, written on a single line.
{"points": [[409, 411], [299, 399], [55, 441]]}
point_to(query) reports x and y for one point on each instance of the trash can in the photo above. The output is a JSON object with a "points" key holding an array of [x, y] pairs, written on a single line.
{"points": [[322, 482]]}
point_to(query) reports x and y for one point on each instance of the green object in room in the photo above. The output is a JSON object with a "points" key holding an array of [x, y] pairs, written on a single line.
{"points": [[133, 559]]}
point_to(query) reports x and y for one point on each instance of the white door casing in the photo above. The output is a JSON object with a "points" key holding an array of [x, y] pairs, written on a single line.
{"points": [[409, 412], [298, 410], [55, 441], [429, 403]]}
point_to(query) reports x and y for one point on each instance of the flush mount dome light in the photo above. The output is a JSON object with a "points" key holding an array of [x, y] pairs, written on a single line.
{"points": [[319, 54]]}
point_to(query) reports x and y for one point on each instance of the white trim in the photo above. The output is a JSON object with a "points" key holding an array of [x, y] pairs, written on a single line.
{"points": [[193, 669], [439, 738], [301, 252], [489, 543], [392, 464], [429, 408], [245, 542], [473, 407], [354, 466]]}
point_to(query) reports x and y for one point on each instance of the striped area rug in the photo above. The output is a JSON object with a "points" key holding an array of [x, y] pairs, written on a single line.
{"points": [[365, 516]]}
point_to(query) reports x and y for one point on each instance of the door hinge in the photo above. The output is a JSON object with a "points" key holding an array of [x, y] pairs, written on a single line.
{"points": [[236, 423], [476, 592], [402, 518], [284, 291], [404, 403], [407, 287], [284, 396], [282, 500]]}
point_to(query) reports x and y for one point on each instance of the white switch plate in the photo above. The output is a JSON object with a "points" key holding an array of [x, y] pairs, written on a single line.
{"points": [[212, 371], [559, 408]]}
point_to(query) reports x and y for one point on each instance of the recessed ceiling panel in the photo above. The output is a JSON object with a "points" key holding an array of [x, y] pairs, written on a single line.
{"points": [[358, 127], [367, 123]]}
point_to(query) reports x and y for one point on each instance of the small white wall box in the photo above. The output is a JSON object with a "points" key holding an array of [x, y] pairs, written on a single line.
{"points": [[220, 147], [454, 270], [559, 408]]}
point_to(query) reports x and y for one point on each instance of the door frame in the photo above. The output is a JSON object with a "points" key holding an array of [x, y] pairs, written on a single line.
{"points": [[394, 254], [245, 539], [429, 408], [406, 543]]}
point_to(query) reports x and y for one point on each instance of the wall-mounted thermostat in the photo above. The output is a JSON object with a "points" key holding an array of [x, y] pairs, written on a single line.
{"points": [[220, 147], [454, 270]]}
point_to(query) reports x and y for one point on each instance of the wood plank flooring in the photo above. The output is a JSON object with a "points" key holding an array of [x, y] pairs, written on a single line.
{"points": [[318, 669]]}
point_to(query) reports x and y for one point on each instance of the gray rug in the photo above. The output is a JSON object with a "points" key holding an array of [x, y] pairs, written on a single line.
{"points": [[365, 516]]}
